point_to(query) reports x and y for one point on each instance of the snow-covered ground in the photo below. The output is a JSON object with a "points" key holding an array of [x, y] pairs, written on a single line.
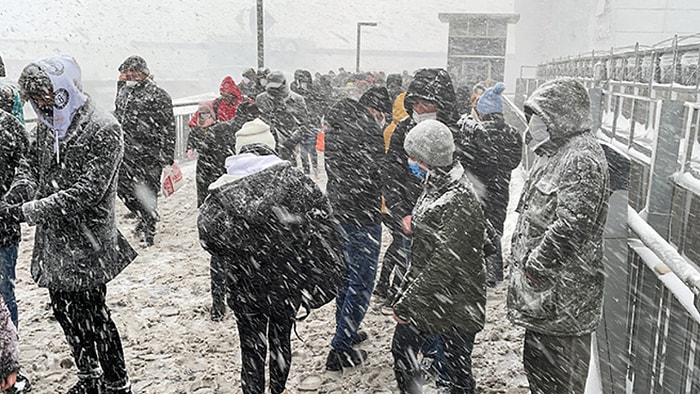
{"points": [[161, 306]]}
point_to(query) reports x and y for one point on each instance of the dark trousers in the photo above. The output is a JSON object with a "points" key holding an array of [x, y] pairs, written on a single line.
{"points": [[309, 156], [265, 321], [457, 345], [91, 334], [218, 284], [395, 260], [556, 364], [361, 250], [138, 189]]}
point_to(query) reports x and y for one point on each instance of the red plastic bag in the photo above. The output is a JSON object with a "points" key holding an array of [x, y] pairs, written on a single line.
{"points": [[171, 179], [320, 140]]}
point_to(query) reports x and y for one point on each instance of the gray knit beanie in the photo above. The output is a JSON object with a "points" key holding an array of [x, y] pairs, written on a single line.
{"points": [[430, 142]]}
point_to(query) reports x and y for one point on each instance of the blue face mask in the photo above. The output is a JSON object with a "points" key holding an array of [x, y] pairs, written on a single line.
{"points": [[416, 170]]}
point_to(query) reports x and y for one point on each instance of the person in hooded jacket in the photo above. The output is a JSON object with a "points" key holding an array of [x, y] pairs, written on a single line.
{"points": [[259, 219], [317, 106], [557, 273], [353, 151], [444, 291], [285, 112], [145, 112], [498, 147], [71, 172], [224, 107]]}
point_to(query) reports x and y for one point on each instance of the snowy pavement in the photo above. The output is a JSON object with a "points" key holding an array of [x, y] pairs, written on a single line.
{"points": [[160, 304]]}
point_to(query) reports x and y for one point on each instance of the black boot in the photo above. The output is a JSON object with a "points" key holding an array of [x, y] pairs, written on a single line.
{"points": [[409, 381], [87, 386]]}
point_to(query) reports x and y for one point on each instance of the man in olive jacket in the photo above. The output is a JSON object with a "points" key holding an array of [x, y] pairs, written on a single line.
{"points": [[444, 291], [71, 170], [556, 281]]}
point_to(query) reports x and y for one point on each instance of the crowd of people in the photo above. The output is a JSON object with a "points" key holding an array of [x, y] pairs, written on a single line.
{"points": [[400, 151]]}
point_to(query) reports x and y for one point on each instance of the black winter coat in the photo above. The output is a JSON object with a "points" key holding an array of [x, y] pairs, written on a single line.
{"points": [[145, 113], [353, 155], [262, 226], [494, 150], [401, 188], [14, 142], [213, 145], [77, 245]]}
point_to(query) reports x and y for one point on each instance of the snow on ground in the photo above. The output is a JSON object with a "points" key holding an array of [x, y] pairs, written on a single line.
{"points": [[160, 304]]}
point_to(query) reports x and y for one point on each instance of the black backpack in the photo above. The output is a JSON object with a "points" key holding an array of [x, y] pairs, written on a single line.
{"points": [[322, 268]]}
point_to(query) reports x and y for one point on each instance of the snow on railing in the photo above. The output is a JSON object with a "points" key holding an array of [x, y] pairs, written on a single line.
{"points": [[667, 253]]}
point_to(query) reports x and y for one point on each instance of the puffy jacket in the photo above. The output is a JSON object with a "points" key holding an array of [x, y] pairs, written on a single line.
{"points": [[556, 281], [223, 110]]}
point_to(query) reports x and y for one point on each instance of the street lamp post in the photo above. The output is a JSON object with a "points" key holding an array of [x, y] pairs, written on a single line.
{"points": [[359, 32], [261, 34]]}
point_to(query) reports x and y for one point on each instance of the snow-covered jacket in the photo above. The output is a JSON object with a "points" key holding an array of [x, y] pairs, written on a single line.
{"points": [[353, 154], [263, 218], [14, 142], [445, 286], [556, 281], [9, 343], [77, 245], [288, 118], [145, 113]]}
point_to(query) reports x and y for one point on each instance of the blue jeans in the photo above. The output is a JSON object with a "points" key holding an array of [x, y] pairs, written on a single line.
{"points": [[8, 261], [361, 249]]}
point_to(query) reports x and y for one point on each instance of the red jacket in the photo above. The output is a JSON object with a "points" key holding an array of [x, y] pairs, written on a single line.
{"points": [[222, 108]]}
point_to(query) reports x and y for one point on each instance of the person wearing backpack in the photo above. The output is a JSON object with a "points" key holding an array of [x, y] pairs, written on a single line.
{"points": [[272, 228]]}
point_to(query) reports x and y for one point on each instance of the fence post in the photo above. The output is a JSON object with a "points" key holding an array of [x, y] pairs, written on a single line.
{"points": [[663, 164], [596, 95]]}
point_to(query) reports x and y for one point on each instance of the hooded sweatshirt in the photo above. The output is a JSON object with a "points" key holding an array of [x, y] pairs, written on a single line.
{"points": [[63, 71]]}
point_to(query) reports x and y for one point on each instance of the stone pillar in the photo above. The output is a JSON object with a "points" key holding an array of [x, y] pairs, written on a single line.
{"points": [[477, 46]]}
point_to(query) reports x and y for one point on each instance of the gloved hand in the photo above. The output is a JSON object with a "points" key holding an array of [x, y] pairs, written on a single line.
{"points": [[11, 213]]}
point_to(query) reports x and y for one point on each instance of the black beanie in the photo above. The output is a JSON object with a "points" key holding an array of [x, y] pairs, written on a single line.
{"points": [[134, 62], [377, 98]]}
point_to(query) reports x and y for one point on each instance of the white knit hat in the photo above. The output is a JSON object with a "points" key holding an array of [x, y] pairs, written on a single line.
{"points": [[254, 132], [431, 142]]}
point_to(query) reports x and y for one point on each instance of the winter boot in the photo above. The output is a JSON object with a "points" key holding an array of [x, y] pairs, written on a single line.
{"points": [[87, 386], [337, 360], [409, 381], [122, 387]]}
